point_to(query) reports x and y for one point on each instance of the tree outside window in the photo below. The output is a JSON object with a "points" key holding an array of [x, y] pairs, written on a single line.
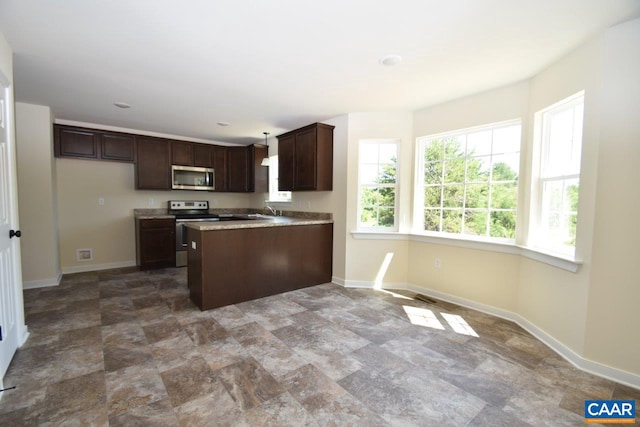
{"points": [[378, 168], [470, 182]]}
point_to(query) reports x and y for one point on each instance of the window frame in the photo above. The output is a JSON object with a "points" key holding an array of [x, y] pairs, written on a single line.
{"points": [[419, 184], [542, 139], [396, 223]]}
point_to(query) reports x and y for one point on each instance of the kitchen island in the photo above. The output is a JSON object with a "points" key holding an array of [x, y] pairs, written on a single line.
{"points": [[235, 261]]}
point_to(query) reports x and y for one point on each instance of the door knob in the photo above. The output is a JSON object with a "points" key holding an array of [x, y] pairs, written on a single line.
{"points": [[16, 233]]}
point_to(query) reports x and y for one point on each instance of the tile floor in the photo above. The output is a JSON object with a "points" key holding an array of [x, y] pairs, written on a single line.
{"points": [[126, 347]]}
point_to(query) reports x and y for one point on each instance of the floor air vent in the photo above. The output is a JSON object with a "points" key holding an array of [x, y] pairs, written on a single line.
{"points": [[424, 298]]}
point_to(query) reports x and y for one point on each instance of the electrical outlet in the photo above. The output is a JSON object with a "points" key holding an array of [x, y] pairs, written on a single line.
{"points": [[437, 263], [151, 201], [101, 201]]}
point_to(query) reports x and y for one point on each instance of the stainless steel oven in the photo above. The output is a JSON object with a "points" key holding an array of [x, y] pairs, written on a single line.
{"points": [[187, 211]]}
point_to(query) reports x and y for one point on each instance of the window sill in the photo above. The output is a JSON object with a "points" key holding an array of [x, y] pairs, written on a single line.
{"points": [[555, 260], [379, 235]]}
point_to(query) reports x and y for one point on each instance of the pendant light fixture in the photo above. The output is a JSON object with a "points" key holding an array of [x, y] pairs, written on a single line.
{"points": [[265, 161]]}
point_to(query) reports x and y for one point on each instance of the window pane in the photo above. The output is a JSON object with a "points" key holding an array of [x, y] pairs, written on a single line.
{"points": [[387, 174], [368, 153], [433, 151], [479, 143], [552, 195], [475, 223], [432, 219], [504, 196], [377, 181], [478, 169], [452, 221], [572, 188], [477, 196], [368, 174], [571, 222], [433, 196], [503, 224], [388, 153], [368, 217], [453, 196], [459, 171], [433, 172], [505, 167], [387, 197], [369, 197], [385, 217], [454, 170], [506, 140], [454, 147]]}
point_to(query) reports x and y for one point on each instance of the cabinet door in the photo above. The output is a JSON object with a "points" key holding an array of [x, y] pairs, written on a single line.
{"points": [[157, 243], [305, 160], [219, 158], [153, 171], [118, 147], [238, 165], [285, 163], [260, 173], [70, 142], [182, 153], [202, 155]]}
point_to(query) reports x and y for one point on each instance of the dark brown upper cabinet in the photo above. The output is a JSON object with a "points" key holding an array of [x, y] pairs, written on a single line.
{"points": [[260, 173], [202, 155], [219, 159], [182, 153], [238, 170], [153, 171], [117, 147], [82, 143], [305, 159]]}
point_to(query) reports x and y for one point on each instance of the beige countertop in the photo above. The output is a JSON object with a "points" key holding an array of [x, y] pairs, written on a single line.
{"points": [[260, 222], [254, 219]]}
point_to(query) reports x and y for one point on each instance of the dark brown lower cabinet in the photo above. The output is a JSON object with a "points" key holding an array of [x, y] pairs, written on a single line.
{"points": [[232, 266], [155, 243]]}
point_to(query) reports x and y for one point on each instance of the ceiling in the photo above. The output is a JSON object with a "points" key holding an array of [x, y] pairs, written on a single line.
{"points": [[277, 65]]}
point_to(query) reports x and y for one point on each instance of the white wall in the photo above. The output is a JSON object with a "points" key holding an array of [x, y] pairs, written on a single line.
{"points": [[365, 258], [486, 277], [36, 191], [614, 291], [109, 229]]}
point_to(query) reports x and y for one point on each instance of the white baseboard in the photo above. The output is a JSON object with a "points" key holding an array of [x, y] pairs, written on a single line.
{"points": [[96, 267], [34, 284], [595, 368]]}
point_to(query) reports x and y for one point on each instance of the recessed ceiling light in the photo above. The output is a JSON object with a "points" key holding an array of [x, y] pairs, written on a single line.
{"points": [[223, 123], [122, 105], [390, 60]]}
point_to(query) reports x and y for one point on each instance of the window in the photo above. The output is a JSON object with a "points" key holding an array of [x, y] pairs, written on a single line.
{"points": [[377, 184], [560, 146], [274, 194], [467, 181]]}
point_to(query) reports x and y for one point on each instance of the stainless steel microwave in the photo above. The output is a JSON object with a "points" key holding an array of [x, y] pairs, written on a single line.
{"points": [[192, 178]]}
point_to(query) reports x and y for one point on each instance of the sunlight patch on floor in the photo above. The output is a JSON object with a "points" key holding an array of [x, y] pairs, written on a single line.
{"points": [[458, 324], [422, 317]]}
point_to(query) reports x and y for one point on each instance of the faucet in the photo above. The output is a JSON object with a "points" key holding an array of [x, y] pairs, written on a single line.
{"points": [[272, 210]]}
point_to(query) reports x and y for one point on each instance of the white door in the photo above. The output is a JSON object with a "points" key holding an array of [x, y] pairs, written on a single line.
{"points": [[11, 309]]}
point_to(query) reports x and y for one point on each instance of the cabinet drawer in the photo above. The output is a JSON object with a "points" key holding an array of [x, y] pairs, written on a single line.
{"points": [[157, 223]]}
